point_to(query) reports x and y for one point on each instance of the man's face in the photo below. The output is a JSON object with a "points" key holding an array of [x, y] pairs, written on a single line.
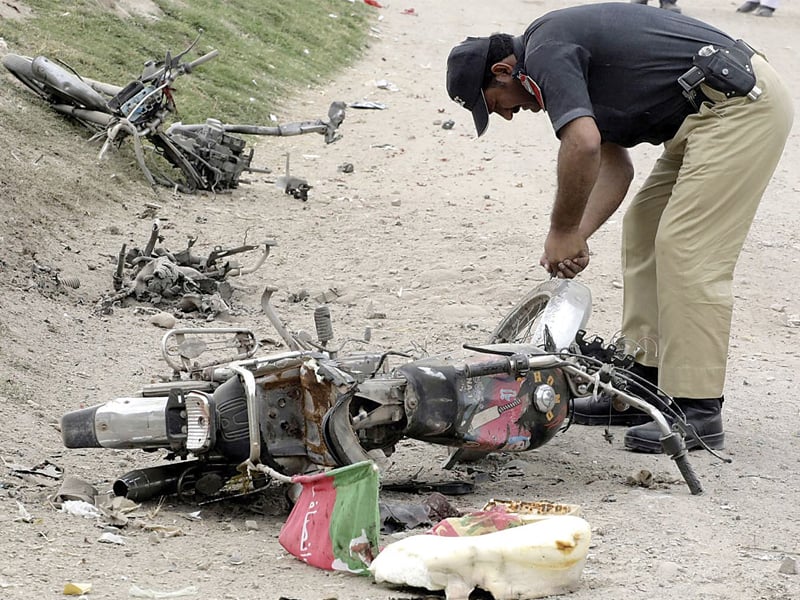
{"points": [[506, 97]]}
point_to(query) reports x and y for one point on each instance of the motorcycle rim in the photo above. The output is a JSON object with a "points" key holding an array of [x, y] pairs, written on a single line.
{"points": [[519, 325]]}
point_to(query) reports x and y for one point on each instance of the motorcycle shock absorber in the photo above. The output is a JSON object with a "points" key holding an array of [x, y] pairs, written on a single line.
{"points": [[323, 324]]}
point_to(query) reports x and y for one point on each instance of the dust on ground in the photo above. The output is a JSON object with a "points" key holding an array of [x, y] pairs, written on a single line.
{"points": [[441, 234]]}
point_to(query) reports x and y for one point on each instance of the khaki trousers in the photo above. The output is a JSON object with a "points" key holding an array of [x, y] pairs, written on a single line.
{"points": [[684, 230]]}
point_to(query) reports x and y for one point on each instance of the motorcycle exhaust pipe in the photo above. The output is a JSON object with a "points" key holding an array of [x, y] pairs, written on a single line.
{"points": [[77, 429], [143, 484], [122, 423]]}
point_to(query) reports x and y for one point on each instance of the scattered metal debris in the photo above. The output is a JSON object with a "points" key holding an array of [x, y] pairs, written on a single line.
{"points": [[368, 104], [182, 279], [49, 281], [385, 84], [294, 186]]}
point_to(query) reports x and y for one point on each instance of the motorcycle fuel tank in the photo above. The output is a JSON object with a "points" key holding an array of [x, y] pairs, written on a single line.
{"points": [[487, 413]]}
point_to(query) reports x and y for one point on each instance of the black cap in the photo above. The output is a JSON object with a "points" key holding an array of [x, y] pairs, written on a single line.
{"points": [[466, 66]]}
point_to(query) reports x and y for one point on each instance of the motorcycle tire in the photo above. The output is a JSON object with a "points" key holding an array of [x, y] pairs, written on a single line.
{"points": [[518, 325]]}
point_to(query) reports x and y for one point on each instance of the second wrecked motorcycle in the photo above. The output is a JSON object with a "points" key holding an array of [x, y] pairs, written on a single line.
{"points": [[231, 426], [201, 156]]}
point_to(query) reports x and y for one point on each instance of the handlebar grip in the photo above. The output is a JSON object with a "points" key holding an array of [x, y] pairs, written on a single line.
{"points": [[205, 58], [511, 365], [488, 368], [515, 364], [688, 475]]}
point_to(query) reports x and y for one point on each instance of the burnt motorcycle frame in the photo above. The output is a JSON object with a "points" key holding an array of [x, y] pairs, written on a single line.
{"points": [[315, 407], [207, 155]]}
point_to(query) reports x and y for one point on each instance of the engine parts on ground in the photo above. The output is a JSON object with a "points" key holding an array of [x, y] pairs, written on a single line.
{"points": [[182, 280]]}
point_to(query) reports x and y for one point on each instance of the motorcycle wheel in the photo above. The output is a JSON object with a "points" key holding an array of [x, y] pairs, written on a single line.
{"points": [[518, 326], [340, 438]]}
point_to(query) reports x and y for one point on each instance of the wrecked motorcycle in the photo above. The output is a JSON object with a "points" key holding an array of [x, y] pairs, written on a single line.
{"points": [[206, 156], [230, 426], [186, 280]]}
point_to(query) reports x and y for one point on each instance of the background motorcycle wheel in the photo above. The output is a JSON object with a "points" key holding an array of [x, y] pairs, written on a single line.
{"points": [[519, 325]]}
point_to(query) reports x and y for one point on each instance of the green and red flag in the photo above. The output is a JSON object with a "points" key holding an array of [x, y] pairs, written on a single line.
{"points": [[335, 522]]}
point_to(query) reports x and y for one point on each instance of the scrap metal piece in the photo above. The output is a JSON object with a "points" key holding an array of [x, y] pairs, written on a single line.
{"points": [[292, 341], [195, 283], [294, 186]]}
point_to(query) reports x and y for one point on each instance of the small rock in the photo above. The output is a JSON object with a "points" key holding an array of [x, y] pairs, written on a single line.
{"points": [[643, 478], [788, 566], [372, 313], [299, 295], [251, 525], [163, 320]]}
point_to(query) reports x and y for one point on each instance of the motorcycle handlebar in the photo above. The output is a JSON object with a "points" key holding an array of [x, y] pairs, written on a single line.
{"points": [[519, 364], [199, 61], [279, 130], [516, 365], [689, 476], [182, 68]]}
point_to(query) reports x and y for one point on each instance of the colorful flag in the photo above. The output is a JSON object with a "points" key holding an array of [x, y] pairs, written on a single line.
{"points": [[335, 522]]}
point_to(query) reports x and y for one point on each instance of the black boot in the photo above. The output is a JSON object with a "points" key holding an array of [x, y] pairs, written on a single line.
{"points": [[704, 416], [601, 411], [670, 5]]}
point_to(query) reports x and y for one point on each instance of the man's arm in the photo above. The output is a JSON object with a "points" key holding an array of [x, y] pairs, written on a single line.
{"points": [[579, 159], [593, 179], [613, 181]]}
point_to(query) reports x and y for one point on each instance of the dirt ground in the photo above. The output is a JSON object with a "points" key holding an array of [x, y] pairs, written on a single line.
{"points": [[441, 234]]}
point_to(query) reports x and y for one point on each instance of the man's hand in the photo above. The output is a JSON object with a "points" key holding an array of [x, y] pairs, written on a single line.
{"points": [[565, 254]]}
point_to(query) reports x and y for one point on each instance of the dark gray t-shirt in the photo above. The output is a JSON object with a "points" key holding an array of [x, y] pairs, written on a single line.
{"points": [[616, 62]]}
